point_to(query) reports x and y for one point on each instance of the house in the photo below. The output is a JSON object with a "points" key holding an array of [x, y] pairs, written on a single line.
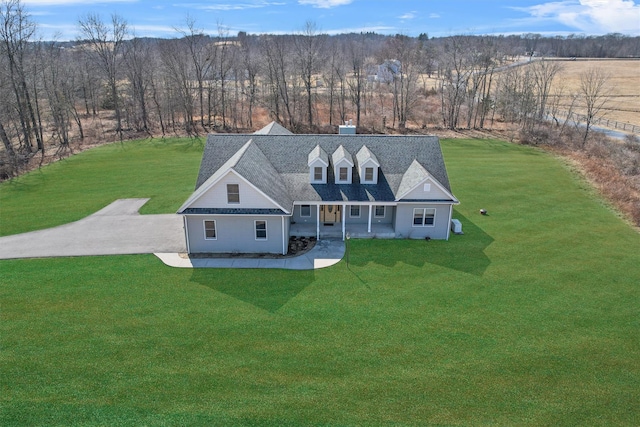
{"points": [[255, 191]]}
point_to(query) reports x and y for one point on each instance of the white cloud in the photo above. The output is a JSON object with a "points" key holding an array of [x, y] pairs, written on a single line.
{"points": [[230, 6], [71, 2], [408, 15], [324, 4], [590, 16], [434, 16]]}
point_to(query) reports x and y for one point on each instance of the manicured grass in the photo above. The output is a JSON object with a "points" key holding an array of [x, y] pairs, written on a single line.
{"points": [[529, 318], [161, 169]]}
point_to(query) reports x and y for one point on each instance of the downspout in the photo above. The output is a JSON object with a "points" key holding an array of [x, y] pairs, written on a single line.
{"points": [[284, 247], [449, 223], [369, 223], [318, 222], [186, 232]]}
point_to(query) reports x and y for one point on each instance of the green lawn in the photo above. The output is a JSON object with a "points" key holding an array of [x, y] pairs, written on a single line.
{"points": [[531, 318]]}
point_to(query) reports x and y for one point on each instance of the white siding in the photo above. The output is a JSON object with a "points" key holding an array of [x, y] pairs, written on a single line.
{"points": [[404, 222], [250, 198], [419, 192], [236, 234]]}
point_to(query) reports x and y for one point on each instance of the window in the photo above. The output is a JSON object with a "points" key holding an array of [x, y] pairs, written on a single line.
{"points": [[344, 174], [354, 211], [427, 188], [317, 174], [233, 193], [424, 217], [379, 212], [368, 174], [261, 230], [210, 230], [305, 210]]}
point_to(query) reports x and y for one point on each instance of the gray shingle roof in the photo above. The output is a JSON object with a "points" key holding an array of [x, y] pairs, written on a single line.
{"points": [[414, 175], [283, 167], [273, 128], [341, 154], [318, 153], [365, 154]]}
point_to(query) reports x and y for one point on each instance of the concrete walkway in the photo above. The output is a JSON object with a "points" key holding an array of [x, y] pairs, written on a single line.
{"points": [[119, 229], [324, 254]]}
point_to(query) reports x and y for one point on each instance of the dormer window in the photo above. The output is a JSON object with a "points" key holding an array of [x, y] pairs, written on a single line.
{"points": [[318, 161], [343, 166], [368, 166], [368, 174], [344, 174]]}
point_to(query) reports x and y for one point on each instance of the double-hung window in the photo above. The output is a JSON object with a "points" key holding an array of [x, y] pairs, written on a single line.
{"points": [[424, 217], [210, 230], [233, 193], [318, 175], [305, 210], [354, 212], [343, 174], [379, 211], [261, 230], [368, 174]]}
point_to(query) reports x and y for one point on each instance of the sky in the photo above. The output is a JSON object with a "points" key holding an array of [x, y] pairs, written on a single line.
{"points": [[58, 19]]}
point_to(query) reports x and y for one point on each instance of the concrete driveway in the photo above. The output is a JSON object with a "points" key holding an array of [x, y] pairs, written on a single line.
{"points": [[118, 229]]}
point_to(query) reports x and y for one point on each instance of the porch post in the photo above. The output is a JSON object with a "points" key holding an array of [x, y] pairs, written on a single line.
{"points": [[369, 223], [344, 217], [318, 222]]}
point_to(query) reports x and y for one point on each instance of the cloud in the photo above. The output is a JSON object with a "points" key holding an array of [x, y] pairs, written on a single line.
{"points": [[408, 15], [71, 2], [257, 4], [590, 16], [434, 16], [324, 4]]}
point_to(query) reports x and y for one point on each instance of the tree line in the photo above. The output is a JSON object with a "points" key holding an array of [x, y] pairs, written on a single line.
{"points": [[54, 93]]}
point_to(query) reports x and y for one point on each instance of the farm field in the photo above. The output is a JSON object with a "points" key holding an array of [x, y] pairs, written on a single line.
{"points": [[623, 83], [529, 318]]}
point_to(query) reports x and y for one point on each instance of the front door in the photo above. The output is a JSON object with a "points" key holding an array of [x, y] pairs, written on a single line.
{"points": [[330, 213]]}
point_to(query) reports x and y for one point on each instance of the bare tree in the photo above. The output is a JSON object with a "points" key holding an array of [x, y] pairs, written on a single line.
{"points": [[357, 64], [404, 71], [454, 79], [544, 72], [516, 98], [16, 34], [58, 86], [275, 54], [308, 50], [104, 46], [178, 85], [249, 61], [595, 94], [139, 71], [199, 47]]}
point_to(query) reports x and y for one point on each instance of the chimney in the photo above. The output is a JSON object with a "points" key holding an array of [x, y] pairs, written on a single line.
{"points": [[347, 128]]}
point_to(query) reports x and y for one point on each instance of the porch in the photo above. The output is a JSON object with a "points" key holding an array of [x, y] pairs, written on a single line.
{"points": [[356, 231]]}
